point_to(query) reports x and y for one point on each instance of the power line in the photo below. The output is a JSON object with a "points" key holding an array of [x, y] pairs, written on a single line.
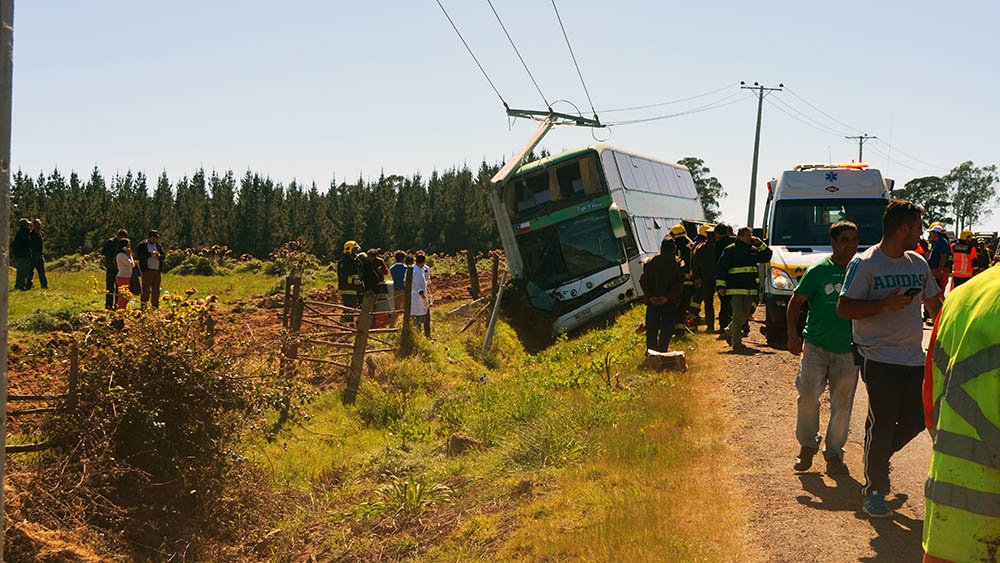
{"points": [[647, 106], [504, 28], [806, 102], [455, 27], [714, 105], [823, 126], [571, 54], [802, 121], [915, 159]]}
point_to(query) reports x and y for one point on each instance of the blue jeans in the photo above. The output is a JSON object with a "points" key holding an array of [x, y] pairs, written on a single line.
{"points": [[817, 369], [659, 326]]}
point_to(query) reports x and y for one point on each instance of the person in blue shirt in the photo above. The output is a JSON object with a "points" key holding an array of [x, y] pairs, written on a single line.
{"points": [[938, 259], [398, 273]]}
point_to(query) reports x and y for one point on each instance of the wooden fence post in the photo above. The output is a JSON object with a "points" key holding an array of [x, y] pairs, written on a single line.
{"points": [[495, 277], [360, 345], [470, 259], [406, 331], [74, 373], [286, 305]]}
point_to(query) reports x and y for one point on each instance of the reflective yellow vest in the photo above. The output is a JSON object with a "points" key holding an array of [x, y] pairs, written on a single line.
{"points": [[962, 520]]}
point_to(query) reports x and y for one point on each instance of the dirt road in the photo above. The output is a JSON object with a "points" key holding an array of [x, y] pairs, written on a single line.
{"points": [[811, 516]]}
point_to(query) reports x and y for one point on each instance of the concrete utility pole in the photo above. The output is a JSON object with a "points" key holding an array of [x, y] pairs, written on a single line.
{"points": [[6, 88], [760, 91], [861, 144]]}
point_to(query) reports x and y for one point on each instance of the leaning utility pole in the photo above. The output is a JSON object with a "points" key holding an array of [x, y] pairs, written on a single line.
{"points": [[760, 91], [861, 144], [6, 87]]}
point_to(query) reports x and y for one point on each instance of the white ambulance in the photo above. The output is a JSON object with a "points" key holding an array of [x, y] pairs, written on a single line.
{"points": [[801, 206]]}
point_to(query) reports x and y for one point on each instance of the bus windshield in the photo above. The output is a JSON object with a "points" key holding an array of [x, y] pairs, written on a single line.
{"points": [[806, 222], [554, 187], [570, 250]]}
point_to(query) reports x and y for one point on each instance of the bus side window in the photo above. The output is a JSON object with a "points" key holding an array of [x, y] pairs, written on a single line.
{"points": [[631, 249], [591, 176]]}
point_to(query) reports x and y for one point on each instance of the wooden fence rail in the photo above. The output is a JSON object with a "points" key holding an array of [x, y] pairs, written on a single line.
{"points": [[68, 400]]}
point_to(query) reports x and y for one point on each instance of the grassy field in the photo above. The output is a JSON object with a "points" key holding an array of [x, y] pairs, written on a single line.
{"points": [[579, 451]]}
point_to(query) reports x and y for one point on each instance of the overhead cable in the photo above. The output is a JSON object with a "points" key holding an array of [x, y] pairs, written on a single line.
{"points": [[660, 104], [714, 105], [803, 121], [818, 124], [464, 42], [504, 28], [571, 54], [806, 102], [913, 158]]}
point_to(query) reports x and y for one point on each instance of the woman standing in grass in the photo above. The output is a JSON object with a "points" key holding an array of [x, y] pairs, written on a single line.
{"points": [[125, 264]]}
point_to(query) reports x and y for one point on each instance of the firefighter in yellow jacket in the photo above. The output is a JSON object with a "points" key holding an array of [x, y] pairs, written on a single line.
{"points": [[962, 411]]}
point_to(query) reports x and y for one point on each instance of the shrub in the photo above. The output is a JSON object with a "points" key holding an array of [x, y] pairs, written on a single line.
{"points": [[406, 497], [51, 321], [76, 263], [154, 432]]}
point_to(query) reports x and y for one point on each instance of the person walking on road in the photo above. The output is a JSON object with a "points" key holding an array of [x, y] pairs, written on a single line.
{"points": [[149, 260], [882, 293], [38, 253], [662, 283], [110, 251], [737, 278], [826, 353], [20, 253], [703, 272], [349, 283], [939, 256], [962, 412]]}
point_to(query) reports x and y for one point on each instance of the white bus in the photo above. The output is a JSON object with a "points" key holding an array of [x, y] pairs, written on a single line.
{"points": [[801, 206], [577, 226]]}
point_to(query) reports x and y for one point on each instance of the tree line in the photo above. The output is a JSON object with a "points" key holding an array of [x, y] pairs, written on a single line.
{"points": [[446, 212], [963, 197]]}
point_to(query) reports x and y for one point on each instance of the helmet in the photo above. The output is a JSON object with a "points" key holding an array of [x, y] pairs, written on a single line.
{"points": [[936, 224], [351, 246], [704, 229], [678, 230], [966, 235]]}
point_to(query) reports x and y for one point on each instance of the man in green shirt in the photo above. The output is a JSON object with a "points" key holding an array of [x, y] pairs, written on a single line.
{"points": [[827, 358]]}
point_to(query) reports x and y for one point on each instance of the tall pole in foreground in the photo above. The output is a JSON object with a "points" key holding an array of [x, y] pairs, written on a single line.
{"points": [[6, 87], [760, 91], [861, 144]]}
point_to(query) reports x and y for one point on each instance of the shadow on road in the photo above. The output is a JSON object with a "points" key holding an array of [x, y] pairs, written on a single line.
{"points": [[898, 537]]}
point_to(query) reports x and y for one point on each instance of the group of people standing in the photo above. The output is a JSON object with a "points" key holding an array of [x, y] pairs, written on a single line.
{"points": [[958, 260], [686, 275], [27, 253], [361, 272], [130, 272]]}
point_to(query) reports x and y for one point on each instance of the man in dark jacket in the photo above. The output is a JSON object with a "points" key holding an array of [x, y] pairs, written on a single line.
{"points": [[38, 253], [109, 251], [685, 249], [349, 282], [20, 253], [723, 238], [737, 278], [703, 272], [149, 258], [662, 282]]}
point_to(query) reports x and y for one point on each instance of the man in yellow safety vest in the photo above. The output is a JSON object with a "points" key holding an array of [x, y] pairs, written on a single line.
{"points": [[962, 411]]}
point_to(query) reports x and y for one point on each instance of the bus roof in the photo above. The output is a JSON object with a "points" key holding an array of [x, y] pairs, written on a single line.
{"points": [[550, 160]]}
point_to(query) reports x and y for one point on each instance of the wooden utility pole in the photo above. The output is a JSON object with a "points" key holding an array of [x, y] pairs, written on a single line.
{"points": [[861, 144], [6, 90], [760, 91]]}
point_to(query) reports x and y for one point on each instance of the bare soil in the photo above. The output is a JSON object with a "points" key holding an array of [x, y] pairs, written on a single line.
{"points": [[812, 516]]}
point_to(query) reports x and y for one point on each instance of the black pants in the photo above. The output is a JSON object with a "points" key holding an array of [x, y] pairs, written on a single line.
{"points": [[659, 326], [38, 263], [353, 301], [895, 416], [111, 288], [707, 290], [725, 311]]}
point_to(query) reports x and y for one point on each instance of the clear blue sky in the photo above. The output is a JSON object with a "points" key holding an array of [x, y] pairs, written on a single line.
{"points": [[315, 89]]}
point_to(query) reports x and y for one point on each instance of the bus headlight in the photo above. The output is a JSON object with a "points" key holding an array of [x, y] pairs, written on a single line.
{"points": [[781, 280], [615, 282]]}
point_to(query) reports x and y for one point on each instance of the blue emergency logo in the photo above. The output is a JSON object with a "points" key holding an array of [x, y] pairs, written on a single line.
{"points": [[831, 176]]}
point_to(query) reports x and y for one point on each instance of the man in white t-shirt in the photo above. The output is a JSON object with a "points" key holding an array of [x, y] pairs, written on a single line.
{"points": [[149, 258], [882, 293]]}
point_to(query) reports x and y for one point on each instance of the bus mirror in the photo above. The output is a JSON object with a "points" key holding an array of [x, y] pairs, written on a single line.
{"points": [[617, 225]]}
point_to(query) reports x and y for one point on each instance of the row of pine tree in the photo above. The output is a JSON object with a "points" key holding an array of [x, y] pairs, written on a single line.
{"points": [[447, 212]]}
